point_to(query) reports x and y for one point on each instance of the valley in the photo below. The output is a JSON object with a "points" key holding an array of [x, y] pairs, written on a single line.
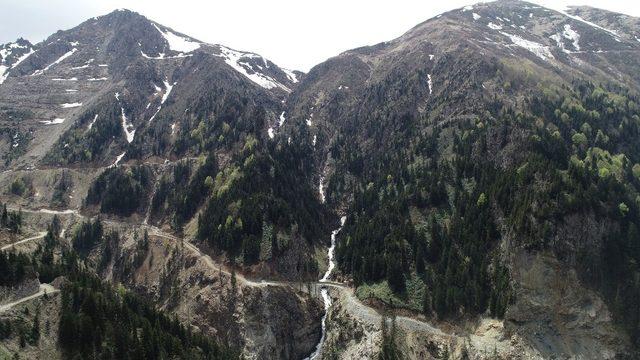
{"points": [[468, 190]]}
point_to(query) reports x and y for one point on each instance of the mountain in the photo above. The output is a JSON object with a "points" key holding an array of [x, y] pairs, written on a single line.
{"points": [[75, 75], [475, 159], [12, 54], [126, 119], [470, 189]]}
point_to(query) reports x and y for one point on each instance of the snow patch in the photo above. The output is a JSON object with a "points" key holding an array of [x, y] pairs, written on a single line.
{"points": [[168, 87], [537, 49], [86, 65], [127, 127], [308, 121], [578, 18], [97, 79], [558, 39], [282, 119], [291, 75], [270, 132], [572, 35], [53, 122], [59, 60], [233, 59], [95, 118], [4, 70], [430, 83], [71, 105], [467, 8], [69, 79], [494, 26], [118, 158], [162, 56], [321, 190], [155, 113], [476, 16], [177, 42]]}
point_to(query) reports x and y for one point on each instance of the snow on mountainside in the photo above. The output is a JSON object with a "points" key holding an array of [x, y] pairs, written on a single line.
{"points": [[623, 26], [12, 54], [126, 53], [427, 128], [177, 42], [253, 66], [416, 98], [125, 31]]}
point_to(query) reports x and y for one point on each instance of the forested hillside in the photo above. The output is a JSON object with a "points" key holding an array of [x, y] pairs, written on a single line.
{"points": [[468, 190], [97, 319]]}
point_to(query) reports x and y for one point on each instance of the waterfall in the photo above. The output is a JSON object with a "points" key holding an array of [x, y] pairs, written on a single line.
{"points": [[324, 292]]}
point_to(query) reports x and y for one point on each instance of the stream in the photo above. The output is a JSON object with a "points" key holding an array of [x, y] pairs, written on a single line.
{"points": [[324, 292]]}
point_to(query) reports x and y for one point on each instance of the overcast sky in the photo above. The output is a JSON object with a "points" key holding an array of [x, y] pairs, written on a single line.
{"points": [[292, 33]]}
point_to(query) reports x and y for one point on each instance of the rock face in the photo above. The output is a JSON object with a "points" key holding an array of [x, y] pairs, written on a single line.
{"points": [[348, 337], [265, 322], [280, 325], [353, 334], [557, 315]]}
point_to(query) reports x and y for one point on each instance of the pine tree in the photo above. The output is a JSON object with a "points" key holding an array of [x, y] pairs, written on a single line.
{"points": [[35, 329]]}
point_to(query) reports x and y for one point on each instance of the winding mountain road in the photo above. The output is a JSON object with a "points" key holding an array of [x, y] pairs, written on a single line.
{"points": [[44, 289], [39, 236], [341, 292]]}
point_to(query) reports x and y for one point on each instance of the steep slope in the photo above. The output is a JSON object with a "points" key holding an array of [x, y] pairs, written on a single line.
{"points": [[76, 315], [121, 87], [481, 157], [485, 163], [126, 119], [624, 26], [65, 81], [11, 55]]}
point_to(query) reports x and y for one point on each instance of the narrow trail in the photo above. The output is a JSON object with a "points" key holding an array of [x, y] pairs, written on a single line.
{"points": [[39, 236], [46, 211], [155, 231], [44, 289]]}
